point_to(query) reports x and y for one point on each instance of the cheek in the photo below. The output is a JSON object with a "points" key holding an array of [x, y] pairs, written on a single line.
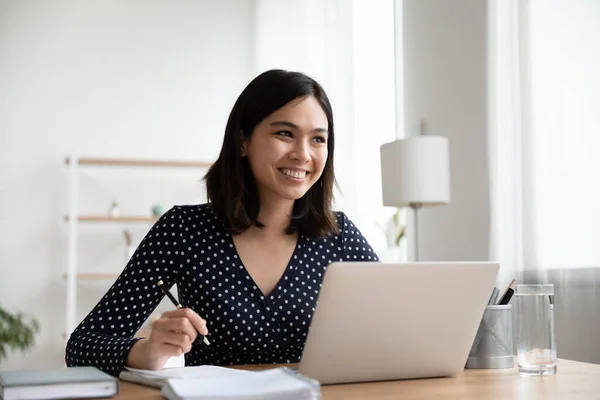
{"points": [[263, 159], [262, 154], [320, 159]]}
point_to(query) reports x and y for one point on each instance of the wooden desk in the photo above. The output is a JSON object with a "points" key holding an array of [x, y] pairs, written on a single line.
{"points": [[574, 380]]}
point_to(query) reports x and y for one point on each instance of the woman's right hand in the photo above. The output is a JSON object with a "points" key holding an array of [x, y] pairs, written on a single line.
{"points": [[172, 335]]}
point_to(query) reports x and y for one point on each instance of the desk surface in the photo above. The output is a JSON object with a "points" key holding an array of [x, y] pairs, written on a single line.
{"points": [[574, 380]]}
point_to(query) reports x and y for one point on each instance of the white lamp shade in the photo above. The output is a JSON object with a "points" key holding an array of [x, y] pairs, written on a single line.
{"points": [[416, 170]]}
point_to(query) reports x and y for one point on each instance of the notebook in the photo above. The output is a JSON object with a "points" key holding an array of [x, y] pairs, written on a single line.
{"points": [[278, 383], [160, 378], [60, 383]]}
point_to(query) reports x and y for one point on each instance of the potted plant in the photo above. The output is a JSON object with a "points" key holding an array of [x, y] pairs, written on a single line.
{"points": [[394, 232], [16, 332]]}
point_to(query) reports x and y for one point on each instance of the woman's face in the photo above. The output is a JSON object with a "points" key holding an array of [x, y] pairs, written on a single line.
{"points": [[287, 151]]}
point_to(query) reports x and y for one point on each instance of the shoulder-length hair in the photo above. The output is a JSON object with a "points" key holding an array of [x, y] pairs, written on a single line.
{"points": [[230, 185]]}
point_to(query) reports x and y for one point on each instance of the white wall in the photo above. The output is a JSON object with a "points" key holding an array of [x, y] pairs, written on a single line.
{"points": [[445, 85], [143, 79]]}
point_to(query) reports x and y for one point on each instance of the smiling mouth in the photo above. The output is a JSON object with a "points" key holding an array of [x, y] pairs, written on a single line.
{"points": [[294, 174]]}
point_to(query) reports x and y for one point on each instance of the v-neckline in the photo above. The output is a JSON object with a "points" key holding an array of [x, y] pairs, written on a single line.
{"points": [[286, 273]]}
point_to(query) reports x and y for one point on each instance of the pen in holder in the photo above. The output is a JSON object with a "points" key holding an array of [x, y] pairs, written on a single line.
{"points": [[493, 344]]}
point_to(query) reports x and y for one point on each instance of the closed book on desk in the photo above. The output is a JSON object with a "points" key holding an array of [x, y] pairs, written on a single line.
{"points": [[279, 383], [59, 383]]}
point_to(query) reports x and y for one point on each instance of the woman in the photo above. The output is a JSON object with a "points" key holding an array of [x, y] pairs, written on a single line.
{"points": [[249, 264]]}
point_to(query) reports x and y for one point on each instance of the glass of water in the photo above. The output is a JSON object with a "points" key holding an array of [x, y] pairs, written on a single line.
{"points": [[536, 345]]}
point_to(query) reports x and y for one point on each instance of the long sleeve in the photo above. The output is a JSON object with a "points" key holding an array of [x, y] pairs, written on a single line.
{"points": [[356, 247], [103, 339]]}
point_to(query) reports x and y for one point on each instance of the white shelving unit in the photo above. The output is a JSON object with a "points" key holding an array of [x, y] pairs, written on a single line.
{"points": [[73, 218]]}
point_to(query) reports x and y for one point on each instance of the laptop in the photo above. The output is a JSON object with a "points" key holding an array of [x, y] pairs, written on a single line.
{"points": [[387, 321]]}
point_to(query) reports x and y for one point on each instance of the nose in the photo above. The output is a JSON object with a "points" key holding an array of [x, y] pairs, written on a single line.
{"points": [[301, 152]]}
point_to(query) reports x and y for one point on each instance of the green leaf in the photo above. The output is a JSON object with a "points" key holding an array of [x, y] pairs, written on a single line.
{"points": [[400, 235], [15, 332]]}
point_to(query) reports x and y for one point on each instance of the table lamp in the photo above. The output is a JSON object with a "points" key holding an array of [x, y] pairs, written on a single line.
{"points": [[415, 172]]}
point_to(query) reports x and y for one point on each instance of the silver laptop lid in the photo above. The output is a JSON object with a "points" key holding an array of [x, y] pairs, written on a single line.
{"points": [[382, 321]]}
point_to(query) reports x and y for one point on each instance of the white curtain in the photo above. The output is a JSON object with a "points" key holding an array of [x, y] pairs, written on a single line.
{"points": [[544, 135], [314, 37], [564, 43], [544, 141], [506, 134], [348, 46]]}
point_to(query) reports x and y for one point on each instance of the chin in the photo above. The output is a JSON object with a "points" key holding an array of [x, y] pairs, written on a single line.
{"points": [[289, 192], [293, 195]]}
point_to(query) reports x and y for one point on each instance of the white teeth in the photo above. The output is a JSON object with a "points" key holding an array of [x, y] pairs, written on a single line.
{"points": [[294, 174]]}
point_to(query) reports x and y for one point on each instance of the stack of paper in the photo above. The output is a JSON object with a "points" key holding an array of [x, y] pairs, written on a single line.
{"points": [[279, 383]]}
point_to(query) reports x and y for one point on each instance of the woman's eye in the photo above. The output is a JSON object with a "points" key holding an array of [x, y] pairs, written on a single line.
{"points": [[284, 133], [320, 139]]}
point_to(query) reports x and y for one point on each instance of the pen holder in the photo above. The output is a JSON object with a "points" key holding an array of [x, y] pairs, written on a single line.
{"points": [[493, 344]]}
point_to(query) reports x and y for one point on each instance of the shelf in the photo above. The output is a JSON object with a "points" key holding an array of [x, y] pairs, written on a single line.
{"points": [[74, 215], [123, 162], [105, 218], [94, 276]]}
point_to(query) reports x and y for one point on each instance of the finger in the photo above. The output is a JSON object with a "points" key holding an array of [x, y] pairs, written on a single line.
{"points": [[182, 325], [184, 312], [165, 326], [173, 313], [167, 349], [198, 322], [180, 340], [166, 336]]}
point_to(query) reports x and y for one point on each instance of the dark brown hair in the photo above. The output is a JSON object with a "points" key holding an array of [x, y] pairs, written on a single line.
{"points": [[230, 185]]}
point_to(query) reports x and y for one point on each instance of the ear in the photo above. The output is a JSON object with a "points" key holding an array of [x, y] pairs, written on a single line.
{"points": [[243, 141]]}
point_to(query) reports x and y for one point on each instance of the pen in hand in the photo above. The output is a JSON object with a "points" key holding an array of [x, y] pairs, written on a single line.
{"points": [[178, 305]]}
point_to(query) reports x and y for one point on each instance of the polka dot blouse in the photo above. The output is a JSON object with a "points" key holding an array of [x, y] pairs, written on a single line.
{"points": [[188, 247]]}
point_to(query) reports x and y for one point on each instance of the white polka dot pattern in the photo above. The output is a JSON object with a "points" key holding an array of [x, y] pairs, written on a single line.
{"points": [[189, 247]]}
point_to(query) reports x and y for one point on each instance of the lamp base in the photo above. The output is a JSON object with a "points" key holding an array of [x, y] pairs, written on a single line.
{"points": [[415, 206]]}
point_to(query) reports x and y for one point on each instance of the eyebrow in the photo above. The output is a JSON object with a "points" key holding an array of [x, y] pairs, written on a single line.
{"points": [[294, 126]]}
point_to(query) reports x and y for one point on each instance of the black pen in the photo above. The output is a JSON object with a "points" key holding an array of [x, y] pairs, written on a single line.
{"points": [[508, 294], [178, 305]]}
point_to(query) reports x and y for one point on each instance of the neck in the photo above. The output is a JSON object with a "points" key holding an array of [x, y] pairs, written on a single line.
{"points": [[275, 215]]}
